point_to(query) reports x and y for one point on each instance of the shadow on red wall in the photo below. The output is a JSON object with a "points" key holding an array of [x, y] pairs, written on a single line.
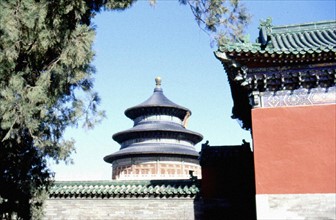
{"points": [[228, 183]]}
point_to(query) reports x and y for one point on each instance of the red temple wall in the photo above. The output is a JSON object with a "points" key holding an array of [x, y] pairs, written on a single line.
{"points": [[294, 149]]}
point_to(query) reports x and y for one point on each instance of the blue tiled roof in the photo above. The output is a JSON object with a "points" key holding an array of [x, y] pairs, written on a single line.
{"points": [[158, 127], [157, 102], [154, 150]]}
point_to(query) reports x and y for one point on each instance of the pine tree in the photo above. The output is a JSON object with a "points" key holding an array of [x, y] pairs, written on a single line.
{"points": [[46, 85], [224, 20]]}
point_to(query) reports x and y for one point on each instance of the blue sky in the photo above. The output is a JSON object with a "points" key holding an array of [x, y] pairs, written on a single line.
{"points": [[136, 45]]}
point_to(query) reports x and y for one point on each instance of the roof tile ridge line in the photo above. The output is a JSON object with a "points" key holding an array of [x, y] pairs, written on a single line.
{"points": [[286, 42], [318, 40], [293, 42], [303, 26], [309, 39], [326, 35], [332, 34], [280, 43], [276, 46], [298, 41], [305, 42], [319, 35]]}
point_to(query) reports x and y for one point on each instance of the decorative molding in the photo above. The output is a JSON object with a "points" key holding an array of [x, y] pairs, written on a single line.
{"points": [[287, 68], [298, 97], [288, 79]]}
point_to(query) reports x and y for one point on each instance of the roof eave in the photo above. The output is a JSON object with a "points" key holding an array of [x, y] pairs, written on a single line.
{"points": [[113, 157]]}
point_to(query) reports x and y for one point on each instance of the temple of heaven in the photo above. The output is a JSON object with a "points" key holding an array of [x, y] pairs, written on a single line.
{"points": [[158, 146]]}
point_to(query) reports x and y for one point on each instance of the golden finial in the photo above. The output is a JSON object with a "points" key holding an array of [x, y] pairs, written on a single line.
{"points": [[158, 81]]}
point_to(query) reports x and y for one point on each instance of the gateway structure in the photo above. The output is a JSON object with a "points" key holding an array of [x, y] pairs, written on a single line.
{"points": [[283, 89], [158, 146]]}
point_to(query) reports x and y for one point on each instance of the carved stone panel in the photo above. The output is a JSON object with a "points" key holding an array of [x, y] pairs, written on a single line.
{"points": [[299, 97]]}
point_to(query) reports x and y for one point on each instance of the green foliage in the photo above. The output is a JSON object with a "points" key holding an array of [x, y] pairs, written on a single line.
{"points": [[224, 20], [24, 180], [46, 85]]}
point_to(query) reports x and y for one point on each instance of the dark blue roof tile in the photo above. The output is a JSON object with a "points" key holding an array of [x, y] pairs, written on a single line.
{"points": [[141, 129], [157, 103]]}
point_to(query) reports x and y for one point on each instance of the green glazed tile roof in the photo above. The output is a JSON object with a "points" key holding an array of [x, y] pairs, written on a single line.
{"points": [[291, 39], [119, 189]]}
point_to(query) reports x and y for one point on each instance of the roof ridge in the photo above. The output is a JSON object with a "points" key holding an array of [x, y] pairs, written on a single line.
{"points": [[125, 188], [305, 38], [308, 26]]}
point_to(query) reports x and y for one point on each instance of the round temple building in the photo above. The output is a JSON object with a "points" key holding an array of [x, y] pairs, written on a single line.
{"points": [[158, 146]]}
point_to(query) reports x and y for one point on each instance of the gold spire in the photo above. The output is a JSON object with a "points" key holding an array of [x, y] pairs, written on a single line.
{"points": [[158, 81]]}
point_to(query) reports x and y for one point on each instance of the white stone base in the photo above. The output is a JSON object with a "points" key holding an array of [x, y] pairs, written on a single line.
{"points": [[296, 206]]}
